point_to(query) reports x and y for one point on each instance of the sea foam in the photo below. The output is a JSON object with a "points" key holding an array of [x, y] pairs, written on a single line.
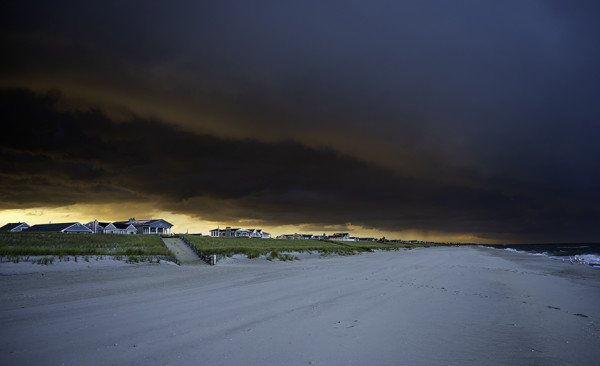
{"points": [[571, 253], [590, 259]]}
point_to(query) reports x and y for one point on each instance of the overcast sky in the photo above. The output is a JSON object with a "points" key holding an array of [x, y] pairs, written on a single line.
{"points": [[453, 120]]}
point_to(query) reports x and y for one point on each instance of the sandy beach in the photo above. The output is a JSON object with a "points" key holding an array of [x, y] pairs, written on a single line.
{"points": [[427, 306]]}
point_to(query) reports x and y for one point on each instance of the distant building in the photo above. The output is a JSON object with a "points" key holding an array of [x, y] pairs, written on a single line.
{"points": [[341, 236], [258, 233], [97, 227], [289, 236], [15, 227], [297, 236], [70, 227], [111, 228], [122, 228], [153, 226], [229, 232]]}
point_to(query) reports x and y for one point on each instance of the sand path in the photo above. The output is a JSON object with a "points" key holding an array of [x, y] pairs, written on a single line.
{"points": [[430, 306], [182, 252]]}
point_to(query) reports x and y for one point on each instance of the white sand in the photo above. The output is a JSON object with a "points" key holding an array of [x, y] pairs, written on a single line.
{"points": [[30, 266], [430, 306]]}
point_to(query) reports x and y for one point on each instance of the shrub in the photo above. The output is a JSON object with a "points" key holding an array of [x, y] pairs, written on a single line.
{"points": [[132, 259], [45, 260]]}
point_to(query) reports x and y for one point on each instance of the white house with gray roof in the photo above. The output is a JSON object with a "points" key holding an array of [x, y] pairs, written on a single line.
{"points": [[15, 227], [229, 232], [111, 227], [68, 227], [153, 226]]}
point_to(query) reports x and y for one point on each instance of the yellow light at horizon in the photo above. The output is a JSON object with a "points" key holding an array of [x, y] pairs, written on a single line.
{"points": [[183, 223]]}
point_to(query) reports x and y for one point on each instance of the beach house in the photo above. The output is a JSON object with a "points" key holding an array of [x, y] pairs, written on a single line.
{"points": [[97, 227], [291, 236], [223, 233], [69, 227], [152, 226], [258, 233], [121, 228], [15, 227], [229, 232], [342, 237], [111, 227]]}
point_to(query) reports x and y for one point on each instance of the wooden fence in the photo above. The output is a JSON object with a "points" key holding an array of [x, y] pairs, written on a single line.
{"points": [[211, 259]]}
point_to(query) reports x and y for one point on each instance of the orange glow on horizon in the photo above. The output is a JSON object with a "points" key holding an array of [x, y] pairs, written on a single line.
{"points": [[188, 224]]}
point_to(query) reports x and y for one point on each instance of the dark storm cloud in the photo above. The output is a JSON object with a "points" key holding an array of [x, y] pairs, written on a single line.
{"points": [[468, 77], [483, 115], [56, 156]]}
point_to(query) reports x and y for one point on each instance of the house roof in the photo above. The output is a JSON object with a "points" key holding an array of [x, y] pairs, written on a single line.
{"points": [[12, 225], [339, 235], [53, 227], [232, 229], [120, 225], [137, 223]]}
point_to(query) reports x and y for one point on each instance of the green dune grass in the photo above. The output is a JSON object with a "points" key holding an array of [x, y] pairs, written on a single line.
{"points": [[275, 248], [75, 244], [254, 247]]}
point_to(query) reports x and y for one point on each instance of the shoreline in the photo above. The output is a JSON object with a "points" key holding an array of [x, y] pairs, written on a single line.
{"points": [[584, 253], [32, 265], [434, 306]]}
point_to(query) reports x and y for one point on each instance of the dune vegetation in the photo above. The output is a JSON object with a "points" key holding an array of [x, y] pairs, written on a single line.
{"points": [[133, 247], [278, 248], [45, 247]]}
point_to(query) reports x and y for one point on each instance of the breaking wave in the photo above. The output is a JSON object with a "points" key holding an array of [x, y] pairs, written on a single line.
{"points": [[588, 254]]}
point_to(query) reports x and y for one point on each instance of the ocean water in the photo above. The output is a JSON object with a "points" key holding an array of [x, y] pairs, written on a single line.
{"points": [[584, 253]]}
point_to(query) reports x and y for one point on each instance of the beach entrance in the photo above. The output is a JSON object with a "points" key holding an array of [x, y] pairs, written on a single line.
{"points": [[182, 252]]}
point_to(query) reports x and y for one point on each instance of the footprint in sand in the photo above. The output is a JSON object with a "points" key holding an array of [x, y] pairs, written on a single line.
{"points": [[345, 324]]}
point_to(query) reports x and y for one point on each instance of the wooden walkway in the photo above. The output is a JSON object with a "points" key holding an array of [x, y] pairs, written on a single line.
{"points": [[182, 252]]}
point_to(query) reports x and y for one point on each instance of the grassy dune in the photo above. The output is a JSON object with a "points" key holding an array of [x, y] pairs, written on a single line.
{"points": [[135, 247], [60, 244], [256, 247], [275, 248]]}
